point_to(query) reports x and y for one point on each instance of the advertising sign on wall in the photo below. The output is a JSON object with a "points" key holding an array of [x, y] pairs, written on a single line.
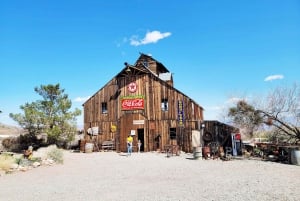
{"points": [[132, 103], [180, 113]]}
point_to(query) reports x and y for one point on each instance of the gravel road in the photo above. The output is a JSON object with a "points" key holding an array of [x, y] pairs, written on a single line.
{"points": [[103, 176]]}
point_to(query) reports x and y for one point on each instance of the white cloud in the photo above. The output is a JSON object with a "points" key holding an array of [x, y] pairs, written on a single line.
{"points": [[81, 99], [274, 77], [151, 37]]}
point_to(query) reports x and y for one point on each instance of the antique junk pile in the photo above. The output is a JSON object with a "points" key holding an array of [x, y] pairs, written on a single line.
{"points": [[220, 140]]}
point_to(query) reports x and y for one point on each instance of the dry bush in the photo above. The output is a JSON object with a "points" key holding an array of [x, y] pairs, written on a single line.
{"points": [[56, 154], [10, 143], [6, 162]]}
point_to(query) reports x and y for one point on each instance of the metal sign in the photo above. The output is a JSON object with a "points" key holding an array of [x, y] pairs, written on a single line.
{"points": [[132, 104], [180, 114]]}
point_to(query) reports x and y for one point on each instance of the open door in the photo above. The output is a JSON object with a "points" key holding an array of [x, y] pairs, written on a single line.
{"points": [[140, 132]]}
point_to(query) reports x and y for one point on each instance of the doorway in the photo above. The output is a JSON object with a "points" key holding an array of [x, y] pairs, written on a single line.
{"points": [[141, 137]]}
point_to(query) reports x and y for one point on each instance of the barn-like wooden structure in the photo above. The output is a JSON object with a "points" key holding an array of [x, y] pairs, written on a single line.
{"points": [[141, 101], [219, 134]]}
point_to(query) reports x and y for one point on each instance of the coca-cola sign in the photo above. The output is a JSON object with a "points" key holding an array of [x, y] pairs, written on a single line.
{"points": [[132, 104]]}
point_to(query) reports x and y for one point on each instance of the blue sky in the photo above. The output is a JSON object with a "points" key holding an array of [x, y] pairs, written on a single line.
{"points": [[217, 50]]}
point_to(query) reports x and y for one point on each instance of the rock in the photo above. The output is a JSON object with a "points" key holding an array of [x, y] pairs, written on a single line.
{"points": [[14, 166], [43, 152], [36, 164], [23, 168], [48, 162]]}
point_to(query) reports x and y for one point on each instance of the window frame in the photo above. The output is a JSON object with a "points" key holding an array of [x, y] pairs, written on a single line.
{"points": [[172, 133], [104, 109], [164, 104]]}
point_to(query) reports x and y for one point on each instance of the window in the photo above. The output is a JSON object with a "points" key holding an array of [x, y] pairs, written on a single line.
{"points": [[104, 107], [164, 104], [145, 63], [172, 133]]}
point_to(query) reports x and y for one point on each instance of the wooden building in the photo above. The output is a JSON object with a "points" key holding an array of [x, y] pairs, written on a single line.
{"points": [[219, 134], [141, 101]]}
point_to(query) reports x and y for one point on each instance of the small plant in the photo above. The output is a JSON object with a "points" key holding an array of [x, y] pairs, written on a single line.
{"points": [[25, 162], [56, 154], [6, 162], [18, 160], [35, 159]]}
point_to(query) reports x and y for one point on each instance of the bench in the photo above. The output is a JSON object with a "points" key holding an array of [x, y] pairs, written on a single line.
{"points": [[172, 150], [107, 145]]}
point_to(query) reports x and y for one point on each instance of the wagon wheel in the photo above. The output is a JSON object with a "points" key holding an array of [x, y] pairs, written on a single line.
{"points": [[207, 136]]}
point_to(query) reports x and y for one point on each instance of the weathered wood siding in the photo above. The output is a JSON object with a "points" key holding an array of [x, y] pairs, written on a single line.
{"points": [[157, 123], [219, 132]]}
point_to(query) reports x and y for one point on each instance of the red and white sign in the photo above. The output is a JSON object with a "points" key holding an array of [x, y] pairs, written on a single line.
{"points": [[132, 104], [238, 136], [132, 87]]}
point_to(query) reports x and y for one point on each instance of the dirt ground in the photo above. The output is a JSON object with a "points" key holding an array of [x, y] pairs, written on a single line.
{"points": [[103, 176]]}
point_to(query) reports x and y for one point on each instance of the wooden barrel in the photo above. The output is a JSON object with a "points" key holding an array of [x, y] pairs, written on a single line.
{"points": [[89, 147], [197, 152], [82, 145], [206, 152]]}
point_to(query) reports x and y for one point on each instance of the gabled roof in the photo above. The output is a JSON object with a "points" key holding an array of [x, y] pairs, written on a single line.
{"points": [[132, 70], [145, 57], [137, 69], [140, 67]]}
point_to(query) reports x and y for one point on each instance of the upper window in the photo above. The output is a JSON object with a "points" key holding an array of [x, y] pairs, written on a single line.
{"points": [[164, 104], [145, 63], [104, 107]]}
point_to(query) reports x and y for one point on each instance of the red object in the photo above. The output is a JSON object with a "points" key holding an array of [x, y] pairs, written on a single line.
{"points": [[132, 87], [133, 104], [238, 136]]}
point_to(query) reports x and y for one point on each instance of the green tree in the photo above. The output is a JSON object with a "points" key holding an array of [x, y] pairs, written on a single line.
{"points": [[279, 110], [245, 116], [49, 115]]}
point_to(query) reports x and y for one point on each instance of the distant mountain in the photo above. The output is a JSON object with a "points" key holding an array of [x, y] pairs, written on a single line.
{"points": [[10, 130]]}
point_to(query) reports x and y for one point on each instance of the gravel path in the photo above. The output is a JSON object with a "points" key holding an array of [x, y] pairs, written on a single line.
{"points": [[107, 176]]}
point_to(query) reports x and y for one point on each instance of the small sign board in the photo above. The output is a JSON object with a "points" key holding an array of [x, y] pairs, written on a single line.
{"points": [[138, 122], [93, 131]]}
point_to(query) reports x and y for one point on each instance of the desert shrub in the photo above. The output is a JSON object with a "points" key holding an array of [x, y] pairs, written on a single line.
{"points": [[6, 162], [56, 154], [20, 143], [25, 162], [11, 143]]}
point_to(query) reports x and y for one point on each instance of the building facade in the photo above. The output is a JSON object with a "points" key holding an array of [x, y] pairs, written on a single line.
{"points": [[141, 101]]}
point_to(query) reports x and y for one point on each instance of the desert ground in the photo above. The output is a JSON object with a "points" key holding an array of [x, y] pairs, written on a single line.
{"points": [[103, 176]]}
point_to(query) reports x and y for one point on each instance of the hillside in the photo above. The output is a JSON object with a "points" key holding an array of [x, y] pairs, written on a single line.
{"points": [[10, 130]]}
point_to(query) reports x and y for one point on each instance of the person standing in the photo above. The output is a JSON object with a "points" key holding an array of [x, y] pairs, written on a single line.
{"points": [[129, 144], [139, 146]]}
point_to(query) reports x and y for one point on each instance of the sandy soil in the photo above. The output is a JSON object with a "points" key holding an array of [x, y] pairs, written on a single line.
{"points": [[106, 176]]}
